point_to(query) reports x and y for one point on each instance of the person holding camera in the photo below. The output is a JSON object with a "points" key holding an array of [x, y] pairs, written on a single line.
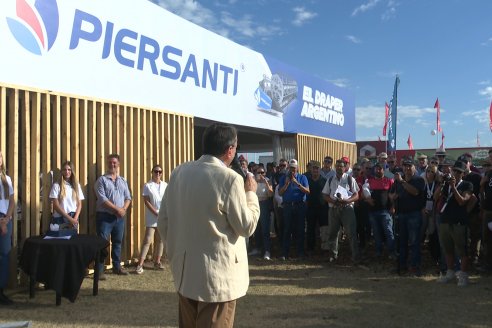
{"points": [[341, 192], [293, 188], [486, 205], [453, 196], [408, 197]]}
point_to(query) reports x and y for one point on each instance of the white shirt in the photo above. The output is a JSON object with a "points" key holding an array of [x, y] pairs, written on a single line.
{"points": [[69, 204], [262, 190], [155, 192], [4, 203], [330, 189]]}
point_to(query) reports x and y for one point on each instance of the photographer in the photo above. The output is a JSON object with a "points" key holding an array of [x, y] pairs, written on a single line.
{"points": [[293, 188], [453, 228], [486, 204], [408, 193]]}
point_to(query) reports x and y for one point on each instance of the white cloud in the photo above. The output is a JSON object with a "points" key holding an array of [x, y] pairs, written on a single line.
{"points": [[390, 11], [369, 117], [486, 92], [486, 43], [365, 7], [485, 82], [302, 16], [373, 116], [192, 11], [481, 116], [223, 23], [458, 122], [353, 39], [342, 83]]}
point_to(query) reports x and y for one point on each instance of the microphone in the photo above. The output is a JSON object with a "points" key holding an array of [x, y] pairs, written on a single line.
{"points": [[236, 166]]}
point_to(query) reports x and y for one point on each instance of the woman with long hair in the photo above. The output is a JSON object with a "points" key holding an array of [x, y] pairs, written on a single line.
{"points": [[152, 193], [6, 212], [67, 197]]}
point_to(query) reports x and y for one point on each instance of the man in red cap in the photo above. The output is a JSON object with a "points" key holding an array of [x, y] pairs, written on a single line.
{"points": [[348, 169]]}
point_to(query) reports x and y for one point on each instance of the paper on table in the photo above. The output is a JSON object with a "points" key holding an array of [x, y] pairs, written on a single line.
{"points": [[62, 237]]}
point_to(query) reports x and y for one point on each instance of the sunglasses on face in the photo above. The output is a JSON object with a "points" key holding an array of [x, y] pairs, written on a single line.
{"points": [[434, 163], [261, 172], [158, 171]]}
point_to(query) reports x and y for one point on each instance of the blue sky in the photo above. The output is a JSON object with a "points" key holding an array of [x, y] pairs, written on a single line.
{"points": [[439, 48]]}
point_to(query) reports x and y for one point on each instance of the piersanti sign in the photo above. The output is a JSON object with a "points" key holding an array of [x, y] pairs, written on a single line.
{"points": [[133, 51]]}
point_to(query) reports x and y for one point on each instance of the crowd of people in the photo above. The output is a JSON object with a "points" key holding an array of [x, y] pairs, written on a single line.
{"points": [[393, 208]]}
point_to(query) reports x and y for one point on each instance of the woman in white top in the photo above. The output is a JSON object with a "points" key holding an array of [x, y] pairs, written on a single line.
{"points": [[152, 193], [6, 212], [67, 197]]}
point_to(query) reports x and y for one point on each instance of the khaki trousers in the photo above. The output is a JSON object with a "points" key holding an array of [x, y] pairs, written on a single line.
{"points": [[202, 314]]}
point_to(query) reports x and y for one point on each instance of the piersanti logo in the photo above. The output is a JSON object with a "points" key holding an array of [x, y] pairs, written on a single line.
{"points": [[322, 107], [35, 25]]}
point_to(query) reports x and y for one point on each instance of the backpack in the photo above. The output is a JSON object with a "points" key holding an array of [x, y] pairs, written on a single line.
{"points": [[349, 182]]}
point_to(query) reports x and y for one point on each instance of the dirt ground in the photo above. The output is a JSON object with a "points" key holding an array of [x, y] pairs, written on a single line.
{"points": [[308, 293]]}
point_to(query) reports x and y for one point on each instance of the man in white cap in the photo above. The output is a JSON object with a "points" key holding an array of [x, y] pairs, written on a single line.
{"points": [[293, 187], [422, 165]]}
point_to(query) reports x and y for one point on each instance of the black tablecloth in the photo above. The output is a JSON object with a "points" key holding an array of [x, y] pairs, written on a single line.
{"points": [[61, 264]]}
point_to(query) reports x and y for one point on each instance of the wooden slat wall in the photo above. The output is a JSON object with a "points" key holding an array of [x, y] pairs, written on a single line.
{"points": [[39, 130], [316, 148]]}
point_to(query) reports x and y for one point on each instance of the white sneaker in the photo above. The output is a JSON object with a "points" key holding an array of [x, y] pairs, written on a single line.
{"points": [[443, 279], [267, 256], [463, 279], [139, 269]]}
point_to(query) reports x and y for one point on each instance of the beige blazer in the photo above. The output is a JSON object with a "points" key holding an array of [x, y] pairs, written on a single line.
{"points": [[204, 219]]}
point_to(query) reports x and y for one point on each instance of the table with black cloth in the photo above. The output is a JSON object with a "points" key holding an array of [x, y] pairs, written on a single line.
{"points": [[61, 264]]}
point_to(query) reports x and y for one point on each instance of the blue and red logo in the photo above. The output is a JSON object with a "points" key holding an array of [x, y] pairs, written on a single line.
{"points": [[35, 28]]}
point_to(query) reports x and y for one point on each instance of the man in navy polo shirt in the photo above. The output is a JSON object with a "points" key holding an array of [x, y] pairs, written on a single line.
{"points": [[293, 187]]}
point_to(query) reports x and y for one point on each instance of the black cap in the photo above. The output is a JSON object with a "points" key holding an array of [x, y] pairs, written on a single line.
{"points": [[408, 162], [459, 166]]}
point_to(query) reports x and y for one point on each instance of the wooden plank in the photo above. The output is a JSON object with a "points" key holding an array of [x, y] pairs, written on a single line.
{"points": [[129, 151], [65, 130], [35, 131], [56, 145], [3, 118], [46, 160], [25, 164], [74, 127], [84, 143], [92, 166], [100, 140], [11, 156], [136, 147]]}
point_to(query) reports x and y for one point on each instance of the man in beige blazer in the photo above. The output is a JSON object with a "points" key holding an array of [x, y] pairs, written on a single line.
{"points": [[207, 212]]}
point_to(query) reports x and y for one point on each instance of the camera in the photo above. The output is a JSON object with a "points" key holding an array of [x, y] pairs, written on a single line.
{"points": [[447, 177]]}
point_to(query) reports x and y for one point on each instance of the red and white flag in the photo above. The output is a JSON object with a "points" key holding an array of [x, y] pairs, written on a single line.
{"points": [[490, 115], [438, 108], [386, 109], [409, 142]]}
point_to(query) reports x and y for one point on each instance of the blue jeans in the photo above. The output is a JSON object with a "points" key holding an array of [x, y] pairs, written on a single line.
{"points": [[410, 225], [294, 221], [5, 247], [262, 233], [109, 225], [382, 225]]}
